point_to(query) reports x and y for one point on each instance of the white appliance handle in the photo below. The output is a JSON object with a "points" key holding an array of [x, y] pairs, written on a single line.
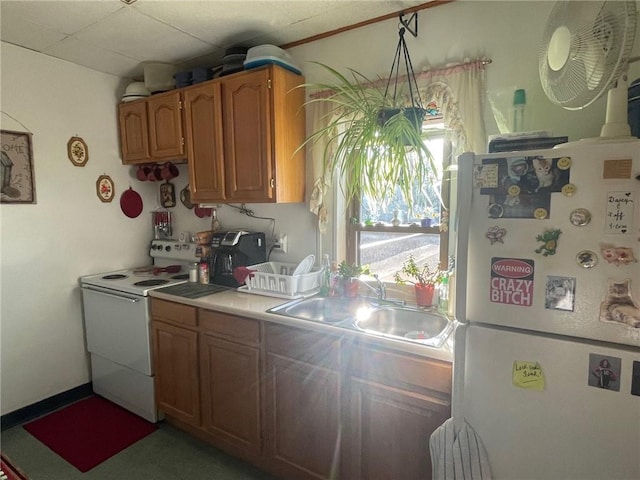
{"points": [[463, 219], [118, 296]]}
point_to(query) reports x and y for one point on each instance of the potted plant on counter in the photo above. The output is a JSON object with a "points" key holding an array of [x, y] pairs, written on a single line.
{"points": [[424, 278], [349, 273]]}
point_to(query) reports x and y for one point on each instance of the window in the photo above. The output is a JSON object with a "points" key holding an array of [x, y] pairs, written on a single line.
{"points": [[384, 235]]}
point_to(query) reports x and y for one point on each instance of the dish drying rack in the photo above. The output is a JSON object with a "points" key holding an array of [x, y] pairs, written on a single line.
{"points": [[275, 279]]}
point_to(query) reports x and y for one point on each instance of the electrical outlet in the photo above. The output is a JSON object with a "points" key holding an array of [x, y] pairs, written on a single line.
{"points": [[281, 242]]}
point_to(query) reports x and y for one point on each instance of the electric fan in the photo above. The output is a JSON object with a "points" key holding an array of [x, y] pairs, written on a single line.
{"points": [[585, 53]]}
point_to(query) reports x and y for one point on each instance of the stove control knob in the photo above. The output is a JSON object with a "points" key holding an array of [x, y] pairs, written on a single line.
{"points": [[177, 246], [167, 248]]}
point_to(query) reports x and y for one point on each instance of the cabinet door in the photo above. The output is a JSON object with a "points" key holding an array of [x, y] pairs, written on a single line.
{"points": [[165, 126], [175, 358], [230, 393], [247, 135], [134, 139], [303, 417], [203, 128], [389, 430]]}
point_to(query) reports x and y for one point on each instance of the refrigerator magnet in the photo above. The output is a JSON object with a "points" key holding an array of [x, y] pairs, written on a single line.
{"points": [[619, 306], [619, 212], [617, 255], [604, 372], [495, 234], [635, 379], [587, 259], [560, 293], [580, 217], [549, 239]]}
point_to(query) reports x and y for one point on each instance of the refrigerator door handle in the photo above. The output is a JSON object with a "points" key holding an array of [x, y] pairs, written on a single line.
{"points": [[463, 220]]}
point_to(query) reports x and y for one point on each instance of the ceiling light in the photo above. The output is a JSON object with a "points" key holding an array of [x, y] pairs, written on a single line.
{"points": [[128, 2]]}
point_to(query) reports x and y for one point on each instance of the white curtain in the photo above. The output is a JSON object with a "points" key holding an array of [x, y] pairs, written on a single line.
{"points": [[456, 90]]}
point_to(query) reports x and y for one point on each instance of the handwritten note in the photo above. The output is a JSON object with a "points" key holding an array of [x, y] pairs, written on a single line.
{"points": [[619, 214], [528, 375]]}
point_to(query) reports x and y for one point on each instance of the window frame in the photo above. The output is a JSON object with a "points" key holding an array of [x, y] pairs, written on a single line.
{"points": [[354, 227]]}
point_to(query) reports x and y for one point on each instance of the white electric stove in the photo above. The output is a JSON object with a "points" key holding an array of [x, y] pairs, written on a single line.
{"points": [[118, 325]]}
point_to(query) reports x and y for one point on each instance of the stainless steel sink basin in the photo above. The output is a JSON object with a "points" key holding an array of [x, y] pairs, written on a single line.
{"points": [[324, 309], [407, 323], [428, 328]]}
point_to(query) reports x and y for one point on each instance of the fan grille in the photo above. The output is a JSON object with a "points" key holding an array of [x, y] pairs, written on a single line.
{"points": [[602, 35]]}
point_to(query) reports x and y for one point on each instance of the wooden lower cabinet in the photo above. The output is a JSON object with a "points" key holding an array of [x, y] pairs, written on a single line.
{"points": [[302, 401], [297, 403], [389, 431], [303, 417], [175, 354], [230, 378]]}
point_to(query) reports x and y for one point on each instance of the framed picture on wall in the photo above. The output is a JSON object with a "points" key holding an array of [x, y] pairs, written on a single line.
{"points": [[17, 184]]}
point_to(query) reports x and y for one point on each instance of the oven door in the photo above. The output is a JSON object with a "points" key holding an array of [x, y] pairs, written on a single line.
{"points": [[117, 327]]}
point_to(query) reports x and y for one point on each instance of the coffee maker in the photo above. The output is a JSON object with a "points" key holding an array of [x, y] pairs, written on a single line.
{"points": [[233, 249]]}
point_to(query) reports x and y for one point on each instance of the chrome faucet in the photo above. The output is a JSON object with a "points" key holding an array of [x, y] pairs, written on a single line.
{"points": [[380, 289]]}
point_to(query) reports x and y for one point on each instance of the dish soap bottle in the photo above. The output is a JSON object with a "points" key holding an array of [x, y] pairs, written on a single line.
{"points": [[325, 279]]}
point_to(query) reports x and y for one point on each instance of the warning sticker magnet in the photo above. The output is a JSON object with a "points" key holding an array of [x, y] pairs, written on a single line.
{"points": [[512, 281]]}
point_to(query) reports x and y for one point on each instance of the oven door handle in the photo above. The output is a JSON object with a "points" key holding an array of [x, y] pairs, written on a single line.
{"points": [[112, 295]]}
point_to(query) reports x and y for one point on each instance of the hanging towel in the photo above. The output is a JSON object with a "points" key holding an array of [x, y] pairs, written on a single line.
{"points": [[458, 455]]}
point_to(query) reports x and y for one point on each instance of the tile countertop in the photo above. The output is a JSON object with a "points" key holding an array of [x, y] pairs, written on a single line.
{"points": [[256, 306]]}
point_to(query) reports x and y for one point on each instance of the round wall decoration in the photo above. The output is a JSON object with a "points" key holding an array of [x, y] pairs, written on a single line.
{"points": [[105, 188], [77, 151]]}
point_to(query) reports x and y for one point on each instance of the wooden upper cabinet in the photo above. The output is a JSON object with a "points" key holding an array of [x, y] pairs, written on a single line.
{"points": [[203, 137], [165, 126], [263, 126], [134, 137]]}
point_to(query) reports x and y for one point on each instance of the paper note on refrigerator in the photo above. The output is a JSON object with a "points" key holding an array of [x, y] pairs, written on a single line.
{"points": [[528, 375]]}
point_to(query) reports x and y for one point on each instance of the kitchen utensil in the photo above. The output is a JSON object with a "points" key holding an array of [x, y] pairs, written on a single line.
{"points": [[185, 197], [169, 269], [155, 174], [305, 265], [202, 212], [131, 203], [169, 171], [162, 224]]}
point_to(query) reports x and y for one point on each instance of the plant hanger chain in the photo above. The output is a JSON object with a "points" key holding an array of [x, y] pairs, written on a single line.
{"points": [[395, 66]]}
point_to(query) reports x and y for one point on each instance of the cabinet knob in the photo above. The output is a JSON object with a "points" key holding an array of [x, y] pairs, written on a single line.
{"points": [[272, 183]]}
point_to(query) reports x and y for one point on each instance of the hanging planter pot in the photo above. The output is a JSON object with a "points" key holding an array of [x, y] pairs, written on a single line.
{"points": [[414, 114], [415, 117]]}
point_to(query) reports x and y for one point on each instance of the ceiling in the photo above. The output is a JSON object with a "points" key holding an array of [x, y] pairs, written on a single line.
{"points": [[114, 37]]}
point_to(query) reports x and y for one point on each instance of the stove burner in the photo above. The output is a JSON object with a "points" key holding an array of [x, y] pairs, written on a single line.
{"points": [[150, 283], [115, 276], [182, 276]]}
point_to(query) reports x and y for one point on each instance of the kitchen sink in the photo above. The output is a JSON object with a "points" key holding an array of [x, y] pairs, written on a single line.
{"points": [[429, 328], [400, 322], [324, 309]]}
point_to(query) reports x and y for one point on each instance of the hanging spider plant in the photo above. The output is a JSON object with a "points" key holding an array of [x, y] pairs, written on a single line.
{"points": [[372, 153]]}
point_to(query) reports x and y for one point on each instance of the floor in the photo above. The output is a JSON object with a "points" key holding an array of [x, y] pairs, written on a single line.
{"points": [[166, 454]]}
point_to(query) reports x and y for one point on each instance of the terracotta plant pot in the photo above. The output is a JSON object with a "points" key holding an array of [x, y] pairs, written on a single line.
{"points": [[424, 295], [350, 287]]}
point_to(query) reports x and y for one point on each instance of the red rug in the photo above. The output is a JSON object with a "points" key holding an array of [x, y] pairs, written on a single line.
{"points": [[8, 471], [90, 431]]}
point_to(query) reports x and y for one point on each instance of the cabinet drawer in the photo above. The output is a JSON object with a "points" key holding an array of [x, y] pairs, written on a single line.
{"points": [[310, 347], [172, 312], [402, 370], [230, 327]]}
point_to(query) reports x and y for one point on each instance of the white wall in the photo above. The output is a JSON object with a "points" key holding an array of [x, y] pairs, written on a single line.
{"points": [[69, 232], [45, 247]]}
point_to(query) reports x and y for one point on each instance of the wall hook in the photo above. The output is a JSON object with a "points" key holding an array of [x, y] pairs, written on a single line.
{"points": [[405, 23]]}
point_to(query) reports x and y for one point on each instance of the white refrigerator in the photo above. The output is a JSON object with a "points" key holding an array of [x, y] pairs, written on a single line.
{"points": [[547, 351]]}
